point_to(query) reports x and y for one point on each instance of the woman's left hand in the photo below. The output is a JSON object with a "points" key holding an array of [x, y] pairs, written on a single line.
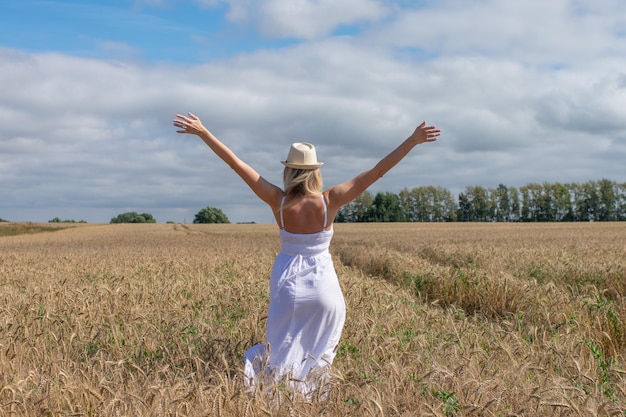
{"points": [[189, 124]]}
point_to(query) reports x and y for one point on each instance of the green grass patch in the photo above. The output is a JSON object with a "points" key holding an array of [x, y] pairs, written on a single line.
{"points": [[14, 229]]}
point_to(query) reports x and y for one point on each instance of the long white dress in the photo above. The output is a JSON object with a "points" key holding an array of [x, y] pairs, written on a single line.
{"points": [[306, 315]]}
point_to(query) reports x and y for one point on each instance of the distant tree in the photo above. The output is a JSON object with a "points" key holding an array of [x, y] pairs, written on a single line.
{"points": [[356, 210], [475, 205], [2, 220], [587, 201], [503, 203], [344, 215], [463, 210], [211, 215], [133, 217], [361, 205], [428, 204], [560, 202], [534, 206], [408, 204], [385, 208], [444, 206], [58, 220], [608, 204], [621, 201], [515, 204]]}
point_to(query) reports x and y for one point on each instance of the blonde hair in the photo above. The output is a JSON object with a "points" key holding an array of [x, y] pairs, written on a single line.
{"points": [[298, 182]]}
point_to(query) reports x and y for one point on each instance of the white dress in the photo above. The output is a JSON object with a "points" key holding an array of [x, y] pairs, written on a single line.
{"points": [[306, 315]]}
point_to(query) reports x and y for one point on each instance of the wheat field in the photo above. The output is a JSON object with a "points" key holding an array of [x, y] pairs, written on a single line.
{"points": [[443, 320]]}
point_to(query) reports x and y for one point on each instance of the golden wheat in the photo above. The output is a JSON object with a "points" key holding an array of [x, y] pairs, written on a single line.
{"points": [[443, 320]]}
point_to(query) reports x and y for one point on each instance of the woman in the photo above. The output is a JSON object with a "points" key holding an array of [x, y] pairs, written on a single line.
{"points": [[307, 310]]}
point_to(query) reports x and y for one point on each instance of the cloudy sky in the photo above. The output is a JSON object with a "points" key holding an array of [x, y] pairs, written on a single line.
{"points": [[523, 90]]}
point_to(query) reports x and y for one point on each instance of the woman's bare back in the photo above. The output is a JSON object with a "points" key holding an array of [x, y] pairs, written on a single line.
{"points": [[305, 215]]}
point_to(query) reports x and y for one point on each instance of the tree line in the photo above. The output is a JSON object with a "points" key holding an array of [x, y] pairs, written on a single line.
{"points": [[206, 215], [602, 200]]}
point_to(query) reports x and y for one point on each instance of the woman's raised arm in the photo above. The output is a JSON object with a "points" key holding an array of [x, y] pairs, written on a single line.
{"points": [[347, 191], [265, 190]]}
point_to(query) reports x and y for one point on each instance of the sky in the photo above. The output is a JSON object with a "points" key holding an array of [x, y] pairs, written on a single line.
{"points": [[523, 90]]}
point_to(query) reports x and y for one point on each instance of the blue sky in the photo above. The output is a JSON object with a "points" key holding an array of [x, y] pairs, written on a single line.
{"points": [[524, 91], [181, 32]]}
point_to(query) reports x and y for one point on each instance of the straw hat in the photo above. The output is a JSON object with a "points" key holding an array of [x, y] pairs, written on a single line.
{"points": [[302, 156]]}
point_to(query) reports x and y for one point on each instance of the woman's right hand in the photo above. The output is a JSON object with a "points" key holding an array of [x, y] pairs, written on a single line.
{"points": [[425, 133]]}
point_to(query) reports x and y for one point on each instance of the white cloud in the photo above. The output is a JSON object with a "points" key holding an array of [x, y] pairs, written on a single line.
{"points": [[304, 19], [539, 32], [593, 102]]}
